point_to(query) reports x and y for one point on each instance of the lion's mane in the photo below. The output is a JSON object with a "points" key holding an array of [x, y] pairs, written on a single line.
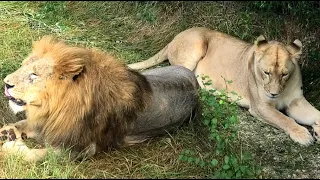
{"points": [[90, 97]]}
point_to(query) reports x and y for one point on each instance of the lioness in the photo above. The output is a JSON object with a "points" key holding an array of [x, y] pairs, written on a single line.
{"points": [[86, 100], [265, 74]]}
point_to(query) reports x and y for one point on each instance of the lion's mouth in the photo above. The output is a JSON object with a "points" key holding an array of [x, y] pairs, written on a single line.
{"points": [[18, 102]]}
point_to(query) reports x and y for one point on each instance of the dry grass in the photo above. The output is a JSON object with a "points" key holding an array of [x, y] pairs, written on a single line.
{"points": [[134, 31]]}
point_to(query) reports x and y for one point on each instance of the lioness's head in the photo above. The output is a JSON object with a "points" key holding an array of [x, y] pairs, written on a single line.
{"points": [[49, 62], [275, 64]]}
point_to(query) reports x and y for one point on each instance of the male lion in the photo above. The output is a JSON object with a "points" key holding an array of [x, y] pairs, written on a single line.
{"points": [[85, 100], [265, 74]]}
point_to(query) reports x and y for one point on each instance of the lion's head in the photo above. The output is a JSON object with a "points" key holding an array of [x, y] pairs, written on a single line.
{"points": [[67, 91], [51, 63], [275, 64]]}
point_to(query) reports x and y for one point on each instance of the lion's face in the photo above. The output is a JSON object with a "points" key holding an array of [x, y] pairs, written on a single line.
{"points": [[275, 65], [49, 68], [25, 86]]}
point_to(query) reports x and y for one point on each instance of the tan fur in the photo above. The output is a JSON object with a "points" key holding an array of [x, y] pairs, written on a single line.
{"points": [[258, 72]]}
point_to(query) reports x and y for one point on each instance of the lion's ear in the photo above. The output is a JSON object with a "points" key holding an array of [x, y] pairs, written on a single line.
{"points": [[71, 68], [295, 48], [260, 40]]}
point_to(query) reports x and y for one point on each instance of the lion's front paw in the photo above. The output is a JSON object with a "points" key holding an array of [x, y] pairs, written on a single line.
{"points": [[301, 135], [11, 133]]}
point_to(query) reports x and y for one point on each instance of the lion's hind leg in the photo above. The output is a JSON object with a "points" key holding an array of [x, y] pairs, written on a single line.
{"points": [[134, 139], [18, 147], [12, 141]]}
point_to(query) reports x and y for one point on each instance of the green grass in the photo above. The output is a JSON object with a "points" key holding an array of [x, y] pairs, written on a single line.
{"points": [[134, 31], [51, 167]]}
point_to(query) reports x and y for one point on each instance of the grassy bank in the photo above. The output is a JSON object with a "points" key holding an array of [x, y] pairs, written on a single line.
{"points": [[134, 31]]}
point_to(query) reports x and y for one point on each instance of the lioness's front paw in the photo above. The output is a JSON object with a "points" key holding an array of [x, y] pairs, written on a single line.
{"points": [[301, 135], [316, 131]]}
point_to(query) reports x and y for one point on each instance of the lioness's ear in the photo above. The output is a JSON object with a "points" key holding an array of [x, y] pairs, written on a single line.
{"points": [[295, 48], [260, 40], [70, 68]]}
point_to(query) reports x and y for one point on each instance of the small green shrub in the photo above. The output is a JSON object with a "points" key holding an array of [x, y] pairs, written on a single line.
{"points": [[219, 115]]}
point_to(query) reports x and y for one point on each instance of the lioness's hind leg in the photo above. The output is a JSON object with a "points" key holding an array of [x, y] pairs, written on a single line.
{"points": [[187, 50]]}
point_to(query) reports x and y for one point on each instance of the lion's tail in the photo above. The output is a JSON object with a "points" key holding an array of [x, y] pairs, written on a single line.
{"points": [[158, 58]]}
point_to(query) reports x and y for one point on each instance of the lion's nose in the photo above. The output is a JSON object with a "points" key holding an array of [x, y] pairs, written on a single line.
{"points": [[8, 86]]}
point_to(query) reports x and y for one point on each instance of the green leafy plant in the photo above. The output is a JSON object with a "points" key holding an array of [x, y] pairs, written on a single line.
{"points": [[219, 115]]}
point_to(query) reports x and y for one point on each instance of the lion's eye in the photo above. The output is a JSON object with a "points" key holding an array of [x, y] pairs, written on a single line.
{"points": [[33, 76], [266, 73]]}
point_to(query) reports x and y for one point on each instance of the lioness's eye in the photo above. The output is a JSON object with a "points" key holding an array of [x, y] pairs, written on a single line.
{"points": [[266, 73], [285, 74]]}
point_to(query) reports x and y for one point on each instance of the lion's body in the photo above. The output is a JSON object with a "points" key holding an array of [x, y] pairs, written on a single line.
{"points": [[82, 98], [174, 101], [265, 75]]}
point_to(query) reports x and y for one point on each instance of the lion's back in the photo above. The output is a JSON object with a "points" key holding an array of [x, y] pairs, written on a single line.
{"points": [[174, 99]]}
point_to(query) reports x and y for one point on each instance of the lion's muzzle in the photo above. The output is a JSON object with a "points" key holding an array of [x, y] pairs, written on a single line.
{"points": [[18, 102]]}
